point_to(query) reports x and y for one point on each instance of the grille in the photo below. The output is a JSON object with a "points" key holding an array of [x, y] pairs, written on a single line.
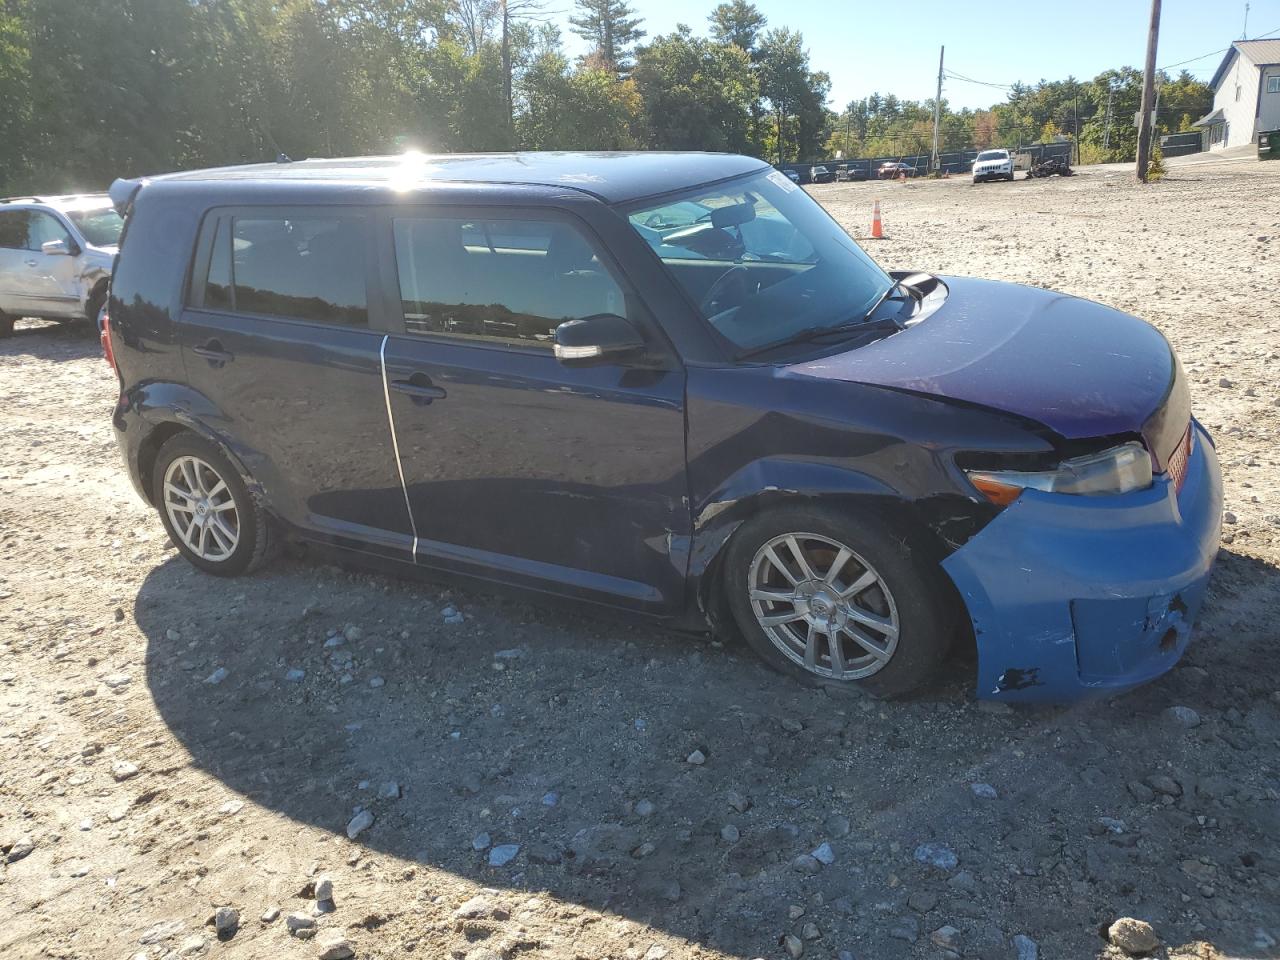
{"points": [[1177, 468]]}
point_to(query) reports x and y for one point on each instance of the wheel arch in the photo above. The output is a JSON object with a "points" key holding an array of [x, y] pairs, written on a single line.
{"points": [[769, 485], [165, 430]]}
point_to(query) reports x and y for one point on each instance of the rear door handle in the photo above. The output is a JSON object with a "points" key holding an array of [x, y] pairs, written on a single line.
{"points": [[213, 352], [419, 388]]}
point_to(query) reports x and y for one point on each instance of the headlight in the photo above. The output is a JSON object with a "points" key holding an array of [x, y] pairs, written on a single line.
{"points": [[1118, 470]]}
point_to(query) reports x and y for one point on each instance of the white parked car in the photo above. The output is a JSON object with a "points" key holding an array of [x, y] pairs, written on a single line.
{"points": [[993, 165], [55, 257]]}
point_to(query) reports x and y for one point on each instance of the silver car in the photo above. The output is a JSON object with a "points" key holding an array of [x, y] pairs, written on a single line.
{"points": [[55, 257]]}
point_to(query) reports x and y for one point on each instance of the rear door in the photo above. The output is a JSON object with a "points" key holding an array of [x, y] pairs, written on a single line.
{"points": [[569, 478], [277, 337]]}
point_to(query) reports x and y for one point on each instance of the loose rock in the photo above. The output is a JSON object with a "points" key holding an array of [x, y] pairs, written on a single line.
{"points": [[1026, 947], [824, 855], [793, 945], [1183, 716], [1133, 936], [333, 945], [984, 791], [697, 758], [324, 888], [226, 920], [937, 855], [361, 822], [503, 854]]}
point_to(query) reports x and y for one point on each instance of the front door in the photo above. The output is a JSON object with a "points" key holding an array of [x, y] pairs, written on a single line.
{"points": [[34, 283], [516, 465], [277, 339]]}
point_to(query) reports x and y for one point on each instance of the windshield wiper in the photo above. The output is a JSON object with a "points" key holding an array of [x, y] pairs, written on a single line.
{"points": [[864, 323]]}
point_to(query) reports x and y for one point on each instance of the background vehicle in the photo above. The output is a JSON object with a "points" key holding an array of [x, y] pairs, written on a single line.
{"points": [[820, 174], [683, 393], [893, 169], [993, 165], [55, 257], [1049, 167], [791, 175]]}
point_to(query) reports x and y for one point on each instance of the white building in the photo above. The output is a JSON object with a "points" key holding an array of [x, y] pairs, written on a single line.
{"points": [[1246, 95]]}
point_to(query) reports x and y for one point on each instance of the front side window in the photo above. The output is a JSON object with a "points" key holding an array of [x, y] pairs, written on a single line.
{"points": [[306, 268], [101, 226], [761, 259], [43, 227], [506, 281]]}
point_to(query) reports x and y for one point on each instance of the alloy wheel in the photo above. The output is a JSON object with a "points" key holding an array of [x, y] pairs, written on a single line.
{"points": [[823, 606], [201, 508]]}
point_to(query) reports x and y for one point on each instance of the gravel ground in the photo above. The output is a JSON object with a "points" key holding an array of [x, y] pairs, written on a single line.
{"points": [[523, 781]]}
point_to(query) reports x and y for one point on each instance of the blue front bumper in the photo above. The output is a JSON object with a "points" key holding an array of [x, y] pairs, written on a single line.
{"points": [[1073, 597]]}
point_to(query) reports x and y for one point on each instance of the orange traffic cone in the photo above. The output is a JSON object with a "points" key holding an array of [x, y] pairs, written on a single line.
{"points": [[877, 228]]}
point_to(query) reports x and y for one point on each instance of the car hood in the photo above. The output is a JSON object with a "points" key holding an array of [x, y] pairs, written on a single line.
{"points": [[1077, 367]]}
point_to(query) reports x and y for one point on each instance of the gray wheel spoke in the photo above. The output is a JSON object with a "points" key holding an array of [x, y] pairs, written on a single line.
{"points": [[778, 565], [189, 474], [881, 624], [868, 644], [223, 507], [838, 564], [773, 596], [778, 619], [216, 489], [837, 654], [806, 571], [177, 491], [868, 579], [811, 647]]}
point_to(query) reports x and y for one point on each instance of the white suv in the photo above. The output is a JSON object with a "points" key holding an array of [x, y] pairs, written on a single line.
{"points": [[55, 257], [993, 165]]}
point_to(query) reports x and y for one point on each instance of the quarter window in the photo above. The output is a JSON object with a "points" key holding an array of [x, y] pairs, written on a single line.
{"points": [[304, 268], [508, 281], [1273, 84]]}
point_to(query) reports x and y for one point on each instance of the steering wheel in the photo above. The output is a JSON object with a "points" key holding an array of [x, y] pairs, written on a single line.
{"points": [[729, 290]]}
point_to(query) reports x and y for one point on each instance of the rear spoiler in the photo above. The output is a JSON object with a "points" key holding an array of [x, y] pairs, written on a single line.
{"points": [[122, 193]]}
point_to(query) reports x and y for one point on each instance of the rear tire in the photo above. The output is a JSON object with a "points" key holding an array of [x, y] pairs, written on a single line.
{"points": [[93, 306], [862, 613], [208, 512], [6, 326]]}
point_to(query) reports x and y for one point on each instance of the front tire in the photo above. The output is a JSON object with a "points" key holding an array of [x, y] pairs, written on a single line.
{"points": [[837, 600], [6, 326], [209, 514]]}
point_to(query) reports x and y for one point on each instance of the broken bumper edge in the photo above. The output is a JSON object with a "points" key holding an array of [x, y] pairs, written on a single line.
{"points": [[1074, 597]]}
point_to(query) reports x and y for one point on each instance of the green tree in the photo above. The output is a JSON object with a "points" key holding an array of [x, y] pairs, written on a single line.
{"points": [[797, 97], [697, 95], [738, 22], [611, 27], [583, 109]]}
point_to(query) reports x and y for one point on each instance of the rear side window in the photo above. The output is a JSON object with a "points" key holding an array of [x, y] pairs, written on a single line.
{"points": [[304, 268], [504, 281]]}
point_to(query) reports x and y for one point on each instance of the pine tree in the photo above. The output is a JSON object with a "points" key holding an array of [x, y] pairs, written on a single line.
{"points": [[612, 26]]}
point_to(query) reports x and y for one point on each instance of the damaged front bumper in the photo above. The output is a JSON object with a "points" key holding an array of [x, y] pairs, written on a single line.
{"points": [[1074, 597]]}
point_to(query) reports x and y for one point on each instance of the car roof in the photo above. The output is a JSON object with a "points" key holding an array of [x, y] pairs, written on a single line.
{"points": [[69, 201], [611, 177]]}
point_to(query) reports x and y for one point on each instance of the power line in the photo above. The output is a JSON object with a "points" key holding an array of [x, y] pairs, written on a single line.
{"points": [[1214, 53]]}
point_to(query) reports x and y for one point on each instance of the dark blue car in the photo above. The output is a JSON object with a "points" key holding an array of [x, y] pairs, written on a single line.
{"points": [[667, 384]]}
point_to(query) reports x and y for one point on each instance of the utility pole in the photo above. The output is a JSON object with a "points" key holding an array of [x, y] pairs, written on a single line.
{"points": [[1148, 93], [937, 112], [1075, 125]]}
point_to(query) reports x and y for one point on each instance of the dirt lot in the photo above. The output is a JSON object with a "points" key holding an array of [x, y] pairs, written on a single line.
{"points": [[171, 743]]}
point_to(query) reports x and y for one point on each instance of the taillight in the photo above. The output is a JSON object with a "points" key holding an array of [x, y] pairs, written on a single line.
{"points": [[105, 338]]}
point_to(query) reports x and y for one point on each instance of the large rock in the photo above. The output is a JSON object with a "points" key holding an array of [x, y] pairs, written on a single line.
{"points": [[1133, 936]]}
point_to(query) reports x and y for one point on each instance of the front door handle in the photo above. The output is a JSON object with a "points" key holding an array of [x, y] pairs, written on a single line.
{"points": [[32, 263], [213, 352], [419, 389]]}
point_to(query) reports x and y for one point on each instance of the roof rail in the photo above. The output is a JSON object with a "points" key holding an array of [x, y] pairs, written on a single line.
{"points": [[21, 199]]}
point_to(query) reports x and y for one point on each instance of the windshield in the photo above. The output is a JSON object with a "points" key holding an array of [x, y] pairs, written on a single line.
{"points": [[992, 155], [101, 227], [761, 259]]}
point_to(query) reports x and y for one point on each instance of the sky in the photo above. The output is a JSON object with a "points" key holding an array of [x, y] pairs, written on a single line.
{"points": [[872, 46]]}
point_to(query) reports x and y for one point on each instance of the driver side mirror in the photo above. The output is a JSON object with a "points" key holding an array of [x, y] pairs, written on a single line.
{"points": [[605, 336], [56, 248]]}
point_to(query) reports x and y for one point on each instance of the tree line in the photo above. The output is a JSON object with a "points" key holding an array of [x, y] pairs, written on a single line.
{"points": [[94, 89]]}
